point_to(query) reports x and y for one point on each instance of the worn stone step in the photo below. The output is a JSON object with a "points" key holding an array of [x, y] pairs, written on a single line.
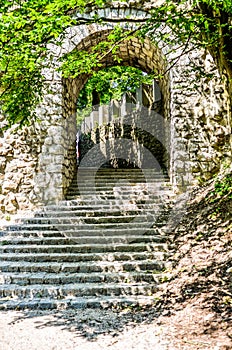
{"points": [[26, 278], [83, 267], [106, 207], [126, 183], [72, 240], [115, 204], [77, 289], [91, 250], [87, 219], [72, 213], [143, 174], [120, 178], [71, 248], [122, 188], [45, 220], [91, 236], [139, 188], [8, 235], [115, 174], [117, 247], [68, 231], [159, 254], [119, 170], [144, 203], [135, 227], [72, 302], [79, 211], [85, 226], [115, 171], [112, 197], [124, 177], [115, 194], [155, 218]]}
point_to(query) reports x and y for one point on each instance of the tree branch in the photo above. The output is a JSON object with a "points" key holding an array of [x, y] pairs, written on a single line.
{"points": [[184, 52], [119, 41]]}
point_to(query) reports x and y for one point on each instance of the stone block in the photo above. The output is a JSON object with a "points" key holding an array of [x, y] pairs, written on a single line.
{"points": [[56, 130], [45, 159], [48, 141], [56, 149], [54, 168]]}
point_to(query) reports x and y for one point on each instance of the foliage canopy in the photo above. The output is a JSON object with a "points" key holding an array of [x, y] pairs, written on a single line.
{"points": [[26, 27], [111, 83]]}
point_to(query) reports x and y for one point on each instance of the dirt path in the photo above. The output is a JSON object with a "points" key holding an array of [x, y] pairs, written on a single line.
{"points": [[76, 330], [107, 329]]}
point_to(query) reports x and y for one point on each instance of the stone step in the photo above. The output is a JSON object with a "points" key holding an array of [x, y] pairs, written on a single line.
{"points": [[124, 183], [119, 170], [64, 234], [111, 173], [116, 247], [90, 218], [23, 279], [77, 289], [112, 197], [148, 177], [98, 202], [89, 169], [83, 267], [73, 248], [104, 247], [122, 179], [159, 254], [106, 206], [124, 176], [124, 186], [75, 302], [26, 234], [134, 227], [116, 193], [79, 212]]}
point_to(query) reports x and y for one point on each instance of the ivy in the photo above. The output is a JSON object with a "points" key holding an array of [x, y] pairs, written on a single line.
{"points": [[224, 187]]}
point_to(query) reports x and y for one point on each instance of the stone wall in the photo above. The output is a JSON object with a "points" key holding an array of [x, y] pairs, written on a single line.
{"points": [[38, 164], [19, 154], [200, 118]]}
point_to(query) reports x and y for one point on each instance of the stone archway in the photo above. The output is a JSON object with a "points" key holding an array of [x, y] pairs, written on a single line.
{"points": [[143, 55], [196, 114], [182, 106]]}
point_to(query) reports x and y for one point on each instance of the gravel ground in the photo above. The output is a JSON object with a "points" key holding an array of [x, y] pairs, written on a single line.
{"points": [[69, 330], [93, 329]]}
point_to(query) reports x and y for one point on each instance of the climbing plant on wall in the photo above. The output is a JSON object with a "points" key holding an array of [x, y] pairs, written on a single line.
{"points": [[26, 27]]}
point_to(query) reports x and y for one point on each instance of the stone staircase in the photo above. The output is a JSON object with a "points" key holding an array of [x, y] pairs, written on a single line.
{"points": [[106, 244]]}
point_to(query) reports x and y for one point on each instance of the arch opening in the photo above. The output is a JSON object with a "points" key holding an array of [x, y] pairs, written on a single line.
{"points": [[145, 56]]}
